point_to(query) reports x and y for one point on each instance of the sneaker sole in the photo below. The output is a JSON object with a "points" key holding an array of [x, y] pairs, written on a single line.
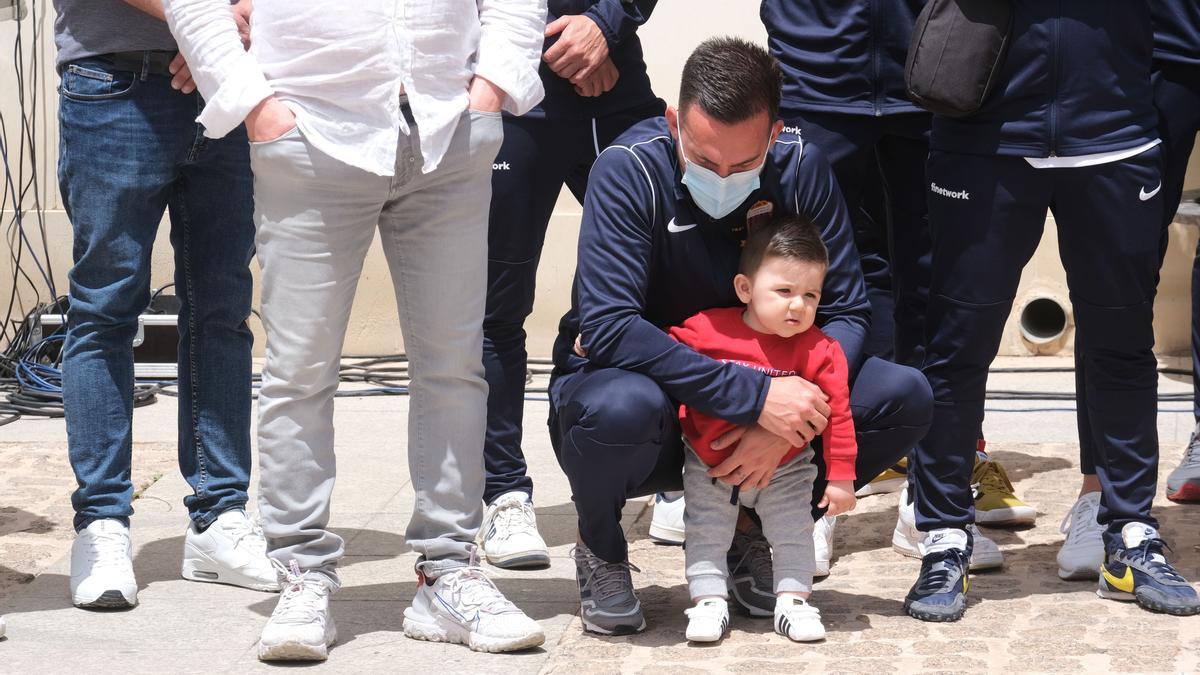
{"points": [[1079, 574], [432, 632], [622, 629], [1006, 517], [1187, 493], [882, 487], [108, 600], [808, 637], [1148, 602], [196, 570], [293, 651], [672, 536], [524, 560], [953, 613]]}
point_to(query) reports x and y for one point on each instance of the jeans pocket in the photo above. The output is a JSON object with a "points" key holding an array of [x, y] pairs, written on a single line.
{"points": [[91, 82]]}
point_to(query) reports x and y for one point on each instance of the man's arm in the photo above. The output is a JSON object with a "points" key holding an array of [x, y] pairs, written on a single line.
{"points": [[612, 277], [585, 40], [618, 19], [510, 46], [229, 78], [844, 313]]}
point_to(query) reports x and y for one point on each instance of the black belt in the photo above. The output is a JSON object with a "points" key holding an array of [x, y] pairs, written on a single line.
{"points": [[142, 63]]}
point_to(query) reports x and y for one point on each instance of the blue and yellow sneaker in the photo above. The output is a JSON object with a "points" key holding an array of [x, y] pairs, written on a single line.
{"points": [[940, 593], [1140, 572]]}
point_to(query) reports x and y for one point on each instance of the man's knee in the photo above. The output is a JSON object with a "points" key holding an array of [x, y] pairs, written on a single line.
{"points": [[615, 408], [891, 395]]}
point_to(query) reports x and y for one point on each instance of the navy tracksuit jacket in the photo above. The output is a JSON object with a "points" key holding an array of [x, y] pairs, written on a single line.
{"points": [[648, 259], [553, 144], [1076, 82], [843, 65]]}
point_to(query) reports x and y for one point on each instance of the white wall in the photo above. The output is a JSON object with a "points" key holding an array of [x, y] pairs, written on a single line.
{"points": [[671, 34]]}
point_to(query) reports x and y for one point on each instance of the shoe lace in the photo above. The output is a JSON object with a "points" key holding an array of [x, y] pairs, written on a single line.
{"points": [[249, 532], [511, 516], [108, 549], [474, 590], [1150, 552], [1079, 521], [298, 599], [934, 578], [990, 477], [1192, 454], [607, 579]]}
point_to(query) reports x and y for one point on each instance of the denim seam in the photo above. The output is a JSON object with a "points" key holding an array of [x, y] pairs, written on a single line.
{"points": [[193, 371]]}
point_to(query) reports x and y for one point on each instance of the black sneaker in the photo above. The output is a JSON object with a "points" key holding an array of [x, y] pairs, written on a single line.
{"points": [[1183, 484], [607, 603], [751, 577], [1140, 572], [940, 593]]}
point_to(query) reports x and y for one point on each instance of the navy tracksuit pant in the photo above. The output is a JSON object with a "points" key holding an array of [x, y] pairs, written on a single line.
{"points": [[986, 215], [879, 163], [617, 436], [538, 156]]}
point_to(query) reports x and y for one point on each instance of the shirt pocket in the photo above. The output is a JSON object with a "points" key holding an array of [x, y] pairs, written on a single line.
{"points": [[92, 83]]}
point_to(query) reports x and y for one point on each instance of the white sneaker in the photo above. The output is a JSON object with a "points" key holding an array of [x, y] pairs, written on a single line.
{"points": [[1082, 552], [102, 567], [509, 536], [909, 541], [231, 551], [666, 527], [823, 544], [1, 626], [797, 620], [463, 606], [708, 620], [300, 628]]}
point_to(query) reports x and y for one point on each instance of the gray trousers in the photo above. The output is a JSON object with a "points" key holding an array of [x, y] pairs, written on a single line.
{"points": [[784, 507], [316, 217]]}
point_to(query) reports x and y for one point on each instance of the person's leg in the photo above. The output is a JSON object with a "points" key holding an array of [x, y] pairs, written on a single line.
{"points": [[527, 178], [140, 129], [710, 516], [212, 230], [435, 244], [316, 217]]}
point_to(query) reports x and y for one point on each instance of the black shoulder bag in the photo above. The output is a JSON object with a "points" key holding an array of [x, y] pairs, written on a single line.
{"points": [[956, 53]]}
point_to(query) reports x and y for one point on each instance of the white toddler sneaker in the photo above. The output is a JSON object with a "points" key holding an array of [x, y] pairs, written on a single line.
{"points": [[301, 627], [462, 606], [231, 551], [708, 620], [797, 620], [102, 566]]}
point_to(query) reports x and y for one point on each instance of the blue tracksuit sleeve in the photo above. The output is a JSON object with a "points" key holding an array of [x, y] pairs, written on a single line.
{"points": [[618, 19], [845, 312], [615, 247]]}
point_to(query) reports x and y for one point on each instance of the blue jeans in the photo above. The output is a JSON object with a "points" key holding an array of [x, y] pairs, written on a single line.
{"points": [[128, 149]]}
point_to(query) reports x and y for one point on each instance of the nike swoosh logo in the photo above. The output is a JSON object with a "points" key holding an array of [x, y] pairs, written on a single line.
{"points": [[1123, 583], [673, 228], [1143, 195]]}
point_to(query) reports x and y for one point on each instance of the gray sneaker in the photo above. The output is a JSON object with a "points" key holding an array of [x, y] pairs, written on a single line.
{"points": [[1183, 485], [751, 578], [607, 603]]}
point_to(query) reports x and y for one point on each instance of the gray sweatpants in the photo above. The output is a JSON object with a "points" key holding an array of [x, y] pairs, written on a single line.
{"points": [[316, 217], [784, 507]]}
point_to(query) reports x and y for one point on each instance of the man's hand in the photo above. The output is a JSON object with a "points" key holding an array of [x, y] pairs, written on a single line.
{"points": [[755, 459], [241, 16], [485, 96], [580, 50], [269, 120], [600, 81], [839, 497], [579, 350], [795, 410], [181, 75]]}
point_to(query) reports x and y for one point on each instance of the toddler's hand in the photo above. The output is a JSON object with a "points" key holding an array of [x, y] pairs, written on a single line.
{"points": [[839, 497]]}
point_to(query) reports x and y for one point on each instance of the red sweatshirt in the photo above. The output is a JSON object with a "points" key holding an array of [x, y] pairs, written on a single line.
{"points": [[723, 335]]}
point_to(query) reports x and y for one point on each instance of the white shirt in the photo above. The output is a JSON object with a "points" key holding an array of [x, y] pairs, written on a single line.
{"points": [[341, 66], [1080, 161]]}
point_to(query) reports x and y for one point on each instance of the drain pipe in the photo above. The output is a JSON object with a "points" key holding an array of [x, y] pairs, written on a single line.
{"points": [[1043, 322]]}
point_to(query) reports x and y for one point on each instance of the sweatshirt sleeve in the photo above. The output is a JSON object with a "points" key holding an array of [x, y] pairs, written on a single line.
{"points": [[613, 270], [619, 19], [839, 443]]}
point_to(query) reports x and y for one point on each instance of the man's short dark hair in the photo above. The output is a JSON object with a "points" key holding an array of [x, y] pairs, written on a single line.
{"points": [[732, 80], [787, 236]]}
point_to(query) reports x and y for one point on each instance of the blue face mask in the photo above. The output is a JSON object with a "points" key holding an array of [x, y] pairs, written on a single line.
{"points": [[715, 195]]}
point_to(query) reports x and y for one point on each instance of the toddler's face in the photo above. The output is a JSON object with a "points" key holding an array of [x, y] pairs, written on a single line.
{"points": [[782, 296]]}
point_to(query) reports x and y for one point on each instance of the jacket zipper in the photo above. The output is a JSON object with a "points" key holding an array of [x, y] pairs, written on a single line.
{"points": [[1054, 72], [874, 42]]}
